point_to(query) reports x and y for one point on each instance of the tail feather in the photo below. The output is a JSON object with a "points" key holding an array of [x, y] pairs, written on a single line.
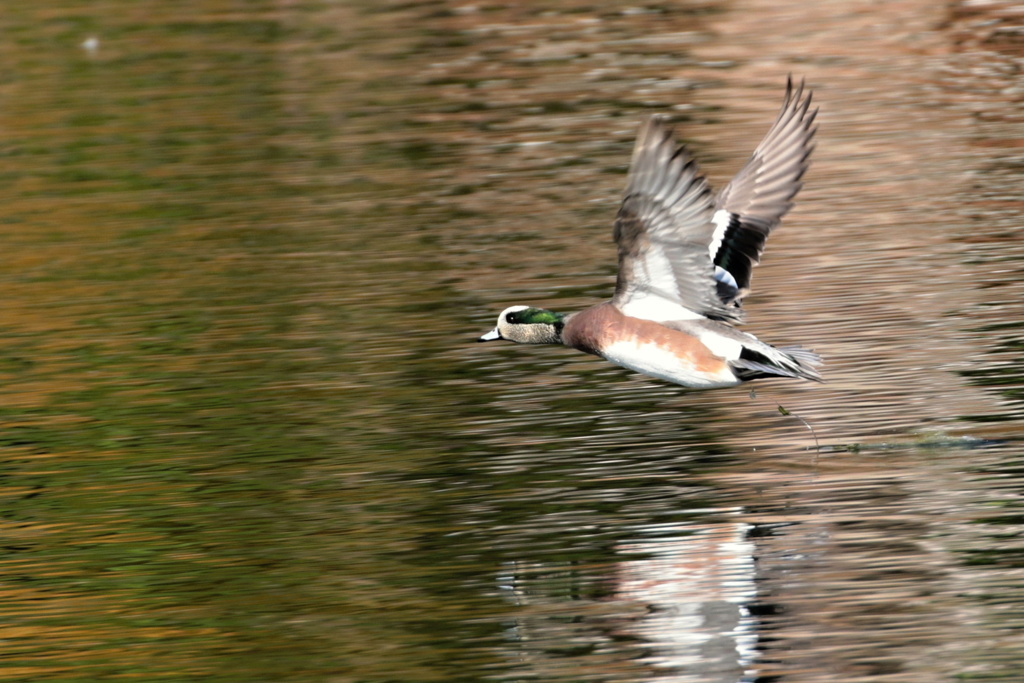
{"points": [[785, 361], [807, 360]]}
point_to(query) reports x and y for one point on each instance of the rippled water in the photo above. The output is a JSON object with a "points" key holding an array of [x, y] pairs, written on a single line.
{"points": [[246, 433]]}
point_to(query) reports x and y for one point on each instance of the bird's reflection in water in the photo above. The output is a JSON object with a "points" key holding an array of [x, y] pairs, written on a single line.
{"points": [[678, 594]]}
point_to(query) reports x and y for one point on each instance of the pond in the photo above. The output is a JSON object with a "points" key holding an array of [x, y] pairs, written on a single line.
{"points": [[246, 431]]}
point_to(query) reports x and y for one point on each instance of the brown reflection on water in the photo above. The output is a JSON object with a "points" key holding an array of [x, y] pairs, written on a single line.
{"points": [[871, 269]]}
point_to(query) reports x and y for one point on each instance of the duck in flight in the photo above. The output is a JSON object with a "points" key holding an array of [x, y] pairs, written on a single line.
{"points": [[685, 263]]}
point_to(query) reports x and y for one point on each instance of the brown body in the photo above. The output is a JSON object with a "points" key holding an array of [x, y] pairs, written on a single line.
{"points": [[605, 331]]}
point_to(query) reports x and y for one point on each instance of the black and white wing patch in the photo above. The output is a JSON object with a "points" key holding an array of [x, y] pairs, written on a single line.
{"points": [[755, 201]]}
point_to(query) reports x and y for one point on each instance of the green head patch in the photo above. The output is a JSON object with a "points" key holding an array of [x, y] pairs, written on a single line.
{"points": [[534, 316]]}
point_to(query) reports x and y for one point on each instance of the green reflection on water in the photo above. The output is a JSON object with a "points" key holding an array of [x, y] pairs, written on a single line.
{"points": [[180, 404]]}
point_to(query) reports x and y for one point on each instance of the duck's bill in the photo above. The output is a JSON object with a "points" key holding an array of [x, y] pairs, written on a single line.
{"points": [[490, 336]]}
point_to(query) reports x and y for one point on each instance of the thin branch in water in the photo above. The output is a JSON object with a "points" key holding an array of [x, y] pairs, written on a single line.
{"points": [[787, 413]]}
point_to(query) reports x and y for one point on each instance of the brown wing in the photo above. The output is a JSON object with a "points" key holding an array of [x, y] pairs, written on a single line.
{"points": [[663, 230]]}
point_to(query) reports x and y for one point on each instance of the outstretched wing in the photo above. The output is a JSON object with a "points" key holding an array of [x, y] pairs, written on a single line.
{"points": [[755, 201], [663, 230]]}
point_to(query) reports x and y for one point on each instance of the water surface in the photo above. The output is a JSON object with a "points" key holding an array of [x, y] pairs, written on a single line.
{"points": [[246, 434]]}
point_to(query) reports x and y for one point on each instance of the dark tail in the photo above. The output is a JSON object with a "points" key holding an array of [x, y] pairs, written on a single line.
{"points": [[785, 361]]}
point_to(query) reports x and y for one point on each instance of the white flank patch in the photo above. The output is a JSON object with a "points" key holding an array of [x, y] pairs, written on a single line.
{"points": [[651, 359], [723, 347], [721, 221]]}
